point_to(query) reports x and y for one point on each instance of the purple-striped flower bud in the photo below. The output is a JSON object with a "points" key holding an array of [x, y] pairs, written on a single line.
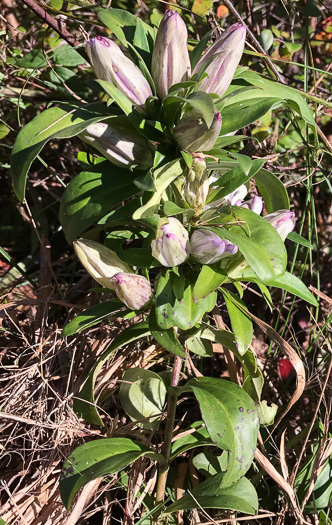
{"points": [[170, 58], [101, 262], [133, 290], [120, 143], [255, 204], [236, 197], [171, 245], [207, 247], [110, 63], [192, 133], [283, 221], [227, 51]]}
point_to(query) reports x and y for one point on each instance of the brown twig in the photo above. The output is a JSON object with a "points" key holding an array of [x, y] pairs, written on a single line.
{"points": [[58, 25]]}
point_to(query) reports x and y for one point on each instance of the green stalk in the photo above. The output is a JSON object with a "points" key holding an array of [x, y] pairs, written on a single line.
{"points": [[166, 448]]}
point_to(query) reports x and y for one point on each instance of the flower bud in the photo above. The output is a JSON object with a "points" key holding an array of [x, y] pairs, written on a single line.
{"points": [[110, 63], [227, 51], [283, 221], [101, 262], [120, 143], [170, 58], [255, 204], [171, 246], [192, 133], [197, 186], [236, 197], [133, 290], [207, 247]]}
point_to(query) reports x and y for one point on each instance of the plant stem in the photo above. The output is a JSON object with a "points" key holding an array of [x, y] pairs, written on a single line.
{"points": [[170, 417]]}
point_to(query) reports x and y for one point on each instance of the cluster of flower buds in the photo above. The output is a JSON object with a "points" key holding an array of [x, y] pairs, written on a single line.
{"points": [[108, 270], [192, 134], [170, 58], [111, 64], [207, 247], [120, 143], [171, 245], [196, 187]]}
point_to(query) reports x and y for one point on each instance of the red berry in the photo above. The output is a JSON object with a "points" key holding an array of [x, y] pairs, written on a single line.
{"points": [[285, 369]]}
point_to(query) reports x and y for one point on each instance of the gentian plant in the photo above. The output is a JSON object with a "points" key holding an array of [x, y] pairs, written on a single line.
{"points": [[185, 220]]}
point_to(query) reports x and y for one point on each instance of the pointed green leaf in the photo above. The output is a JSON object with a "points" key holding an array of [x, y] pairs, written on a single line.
{"points": [[259, 243], [96, 459], [214, 494], [92, 316], [272, 190], [92, 194], [231, 419], [294, 285], [64, 121], [209, 279], [167, 338], [240, 321], [175, 305]]}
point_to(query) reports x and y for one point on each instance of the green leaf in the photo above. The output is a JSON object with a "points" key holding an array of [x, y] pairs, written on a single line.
{"points": [[163, 177], [84, 404], [92, 194], [294, 285], [285, 93], [201, 7], [4, 130], [92, 316], [143, 395], [202, 102], [208, 464], [175, 305], [199, 438], [167, 338], [272, 190], [240, 321], [96, 459], [197, 52], [231, 419], [214, 494], [199, 346], [127, 27], [240, 114], [208, 280], [253, 378], [67, 56], [64, 121], [266, 38], [33, 60], [295, 237], [259, 243]]}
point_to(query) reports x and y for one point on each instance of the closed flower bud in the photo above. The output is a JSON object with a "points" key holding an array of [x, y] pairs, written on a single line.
{"points": [[101, 262], [170, 58], [133, 290], [236, 197], [227, 51], [110, 63], [192, 133], [196, 187], [283, 221], [255, 205], [120, 143], [171, 246], [207, 247]]}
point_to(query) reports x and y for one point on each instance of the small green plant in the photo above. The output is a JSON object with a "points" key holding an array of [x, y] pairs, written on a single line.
{"points": [[168, 193]]}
